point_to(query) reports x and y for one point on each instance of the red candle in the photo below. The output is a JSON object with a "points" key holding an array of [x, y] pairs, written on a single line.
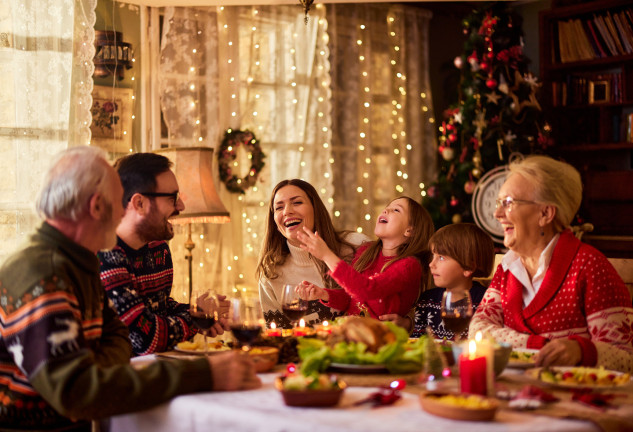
{"points": [[301, 330], [472, 372]]}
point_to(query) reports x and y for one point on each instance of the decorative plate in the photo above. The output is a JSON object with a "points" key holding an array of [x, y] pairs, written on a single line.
{"points": [[579, 377]]}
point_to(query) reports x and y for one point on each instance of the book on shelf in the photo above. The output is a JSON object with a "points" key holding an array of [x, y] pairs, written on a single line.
{"points": [[622, 32], [593, 40], [598, 41], [627, 27], [628, 123], [602, 29], [614, 33], [583, 47]]}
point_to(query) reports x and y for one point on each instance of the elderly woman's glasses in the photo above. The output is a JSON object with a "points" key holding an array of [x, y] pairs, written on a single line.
{"points": [[507, 203]]}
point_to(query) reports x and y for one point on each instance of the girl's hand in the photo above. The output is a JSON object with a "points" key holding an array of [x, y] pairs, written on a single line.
{"points": [[309, 291], [311, 242]]}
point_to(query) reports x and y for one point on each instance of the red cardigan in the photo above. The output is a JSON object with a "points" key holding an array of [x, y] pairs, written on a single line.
{"points": [[581, 298], [393, 291]]}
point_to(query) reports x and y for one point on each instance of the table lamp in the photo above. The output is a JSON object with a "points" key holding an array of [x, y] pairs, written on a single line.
{"points": [[193, 167]]}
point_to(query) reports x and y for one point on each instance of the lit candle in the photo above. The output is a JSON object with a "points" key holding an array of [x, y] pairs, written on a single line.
{"points": [[301, 330], [487, 350], [472, 371], [326, 328], [273, 330]]}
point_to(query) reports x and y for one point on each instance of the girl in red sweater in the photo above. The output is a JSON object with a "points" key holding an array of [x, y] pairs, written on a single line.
{"points": [[386, 275]]}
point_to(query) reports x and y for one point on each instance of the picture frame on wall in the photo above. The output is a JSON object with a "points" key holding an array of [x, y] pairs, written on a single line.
{"points": [[599, 91], [111, 126]]}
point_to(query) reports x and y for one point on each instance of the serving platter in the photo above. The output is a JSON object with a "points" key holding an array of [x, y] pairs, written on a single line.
{"points": [[480, 408], [200, 351], [606, 379], [358, 368]]}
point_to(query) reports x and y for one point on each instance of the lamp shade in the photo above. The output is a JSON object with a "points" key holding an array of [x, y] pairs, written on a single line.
{"points": [[193, 167]]}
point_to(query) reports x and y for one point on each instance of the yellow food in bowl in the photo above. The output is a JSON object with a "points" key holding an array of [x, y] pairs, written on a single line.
{"points": [[465, 401]]}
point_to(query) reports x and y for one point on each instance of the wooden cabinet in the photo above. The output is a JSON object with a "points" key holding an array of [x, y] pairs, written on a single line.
{"points": [[586, 58]]}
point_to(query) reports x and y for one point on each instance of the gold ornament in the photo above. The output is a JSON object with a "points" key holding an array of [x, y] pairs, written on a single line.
{"points": [[476, 172], [529, 102], [457, 218]]}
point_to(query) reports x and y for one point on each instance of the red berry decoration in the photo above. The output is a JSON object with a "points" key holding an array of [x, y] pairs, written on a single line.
{"points": [[491, 83]]}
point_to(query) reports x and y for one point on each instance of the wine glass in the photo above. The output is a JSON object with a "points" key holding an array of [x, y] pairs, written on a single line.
{"points": [[246, 320], [293, 306], [457, 310], [203, 308]]}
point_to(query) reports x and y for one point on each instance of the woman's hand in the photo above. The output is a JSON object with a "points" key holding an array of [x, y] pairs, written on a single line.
{"points": [[559, 352], [401, 321], [311, 242], [309, 291]]}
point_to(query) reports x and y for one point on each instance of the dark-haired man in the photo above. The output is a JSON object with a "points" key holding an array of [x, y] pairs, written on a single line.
{"points": [[138, 273]]}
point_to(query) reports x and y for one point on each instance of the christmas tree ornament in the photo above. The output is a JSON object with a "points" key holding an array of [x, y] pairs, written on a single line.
{"points": [[458, 62], [457, 218], [469, 187], [491, 83], [454, 201], [476, 172], [448, 153]]}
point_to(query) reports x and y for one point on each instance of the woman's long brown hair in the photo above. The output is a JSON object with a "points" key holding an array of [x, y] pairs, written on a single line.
{"points": [[275, 247]]}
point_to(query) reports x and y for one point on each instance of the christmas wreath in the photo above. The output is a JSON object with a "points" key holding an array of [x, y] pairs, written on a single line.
{"points": [[228, 153]]}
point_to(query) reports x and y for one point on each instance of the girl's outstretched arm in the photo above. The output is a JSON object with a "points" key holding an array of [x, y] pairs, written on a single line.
{"points": [[311, 242]]}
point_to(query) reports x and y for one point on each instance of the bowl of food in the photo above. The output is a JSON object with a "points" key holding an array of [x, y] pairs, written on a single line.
{"points": [[264, 358], [317, 390], [502, 351], [458, 406]]}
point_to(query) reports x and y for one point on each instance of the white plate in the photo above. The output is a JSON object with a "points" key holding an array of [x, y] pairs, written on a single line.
{"points": [[519, 363], [534, 374], [358, 368], [201, 351]]}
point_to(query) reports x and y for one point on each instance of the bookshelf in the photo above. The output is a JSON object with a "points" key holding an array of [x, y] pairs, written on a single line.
{"points": [[586, 60]]}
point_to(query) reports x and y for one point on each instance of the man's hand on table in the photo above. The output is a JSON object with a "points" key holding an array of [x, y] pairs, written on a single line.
{"points": [[233, 370]]}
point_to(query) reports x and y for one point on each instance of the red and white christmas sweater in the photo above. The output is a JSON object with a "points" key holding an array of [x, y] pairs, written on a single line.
{"points": [[581, 298], [393, 291]]}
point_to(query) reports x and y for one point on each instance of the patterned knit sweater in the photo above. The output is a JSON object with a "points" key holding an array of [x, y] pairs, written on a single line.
{"points": [[138, 283], [63, 352], [394, 290], [299, 266], [581, 298], [428, 312]]}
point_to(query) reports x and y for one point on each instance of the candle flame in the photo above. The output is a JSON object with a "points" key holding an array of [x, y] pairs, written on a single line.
{"points": [[325, 324], [273, 325], [302, 323], [472, 349], [478, 336]]}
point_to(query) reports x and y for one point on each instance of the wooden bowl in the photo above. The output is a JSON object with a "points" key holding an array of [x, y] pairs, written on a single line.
{"points": [[431, 403], [310, 398], [264, 358]]}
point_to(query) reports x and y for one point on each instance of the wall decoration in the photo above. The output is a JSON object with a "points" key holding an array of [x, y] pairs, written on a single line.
{"points": [[227, 155], [111, 126]]}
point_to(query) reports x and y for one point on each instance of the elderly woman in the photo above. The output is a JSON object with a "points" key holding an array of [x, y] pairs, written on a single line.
{"points": [[295, 204], [552, 292]]}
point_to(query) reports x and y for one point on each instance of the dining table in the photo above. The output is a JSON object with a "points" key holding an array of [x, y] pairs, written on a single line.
{"points": [[263, 410]]}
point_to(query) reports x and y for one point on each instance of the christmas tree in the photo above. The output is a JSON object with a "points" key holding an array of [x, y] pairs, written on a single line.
{"points": [[497, 115]]}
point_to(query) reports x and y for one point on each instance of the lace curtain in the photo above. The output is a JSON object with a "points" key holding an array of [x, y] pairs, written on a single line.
{"points": [[383, 123], [46, 51], [256, 68]]}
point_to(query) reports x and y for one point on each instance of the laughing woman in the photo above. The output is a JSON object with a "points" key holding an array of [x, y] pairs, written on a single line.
{"points": [[295, 204], [551, 292]]}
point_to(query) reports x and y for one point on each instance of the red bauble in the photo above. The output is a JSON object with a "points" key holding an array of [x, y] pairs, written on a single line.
{"points": [[484, 66], [491, 83], [454, 201], [452, 137], [469, 187]]}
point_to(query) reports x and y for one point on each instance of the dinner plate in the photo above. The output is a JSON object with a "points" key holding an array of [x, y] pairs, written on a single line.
{"points": [[201, 351], [358, 368], [525, 358], [622, 379]]}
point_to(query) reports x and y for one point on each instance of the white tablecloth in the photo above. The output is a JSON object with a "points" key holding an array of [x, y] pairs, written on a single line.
{"points": [[263, 410]]}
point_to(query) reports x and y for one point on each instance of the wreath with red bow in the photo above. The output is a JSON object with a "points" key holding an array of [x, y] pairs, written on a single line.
{"points": [[227, 153]]}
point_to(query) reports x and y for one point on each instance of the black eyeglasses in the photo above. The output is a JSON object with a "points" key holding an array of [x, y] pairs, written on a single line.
{"points": [[508, 202], [175, 196]]}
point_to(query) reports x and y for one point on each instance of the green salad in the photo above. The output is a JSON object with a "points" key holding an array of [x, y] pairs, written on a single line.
{"points": [[399, 357]]}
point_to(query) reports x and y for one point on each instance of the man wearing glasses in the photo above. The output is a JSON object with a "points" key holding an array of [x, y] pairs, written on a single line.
{"points": [[138, 273]]}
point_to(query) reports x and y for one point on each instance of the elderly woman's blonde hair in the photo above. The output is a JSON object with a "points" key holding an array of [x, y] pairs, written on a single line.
{"points": [[555, 183]]}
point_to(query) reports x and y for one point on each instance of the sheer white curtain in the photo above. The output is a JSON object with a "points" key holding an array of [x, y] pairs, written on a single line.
{"points": [[46, 51], [383, 122], [256, 68]]}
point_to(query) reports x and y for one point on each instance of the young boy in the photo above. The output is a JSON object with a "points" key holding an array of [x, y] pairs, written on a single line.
{"points": [[460, 253]]}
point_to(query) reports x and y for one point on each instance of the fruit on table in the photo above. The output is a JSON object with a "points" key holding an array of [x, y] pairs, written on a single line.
{"points": [[584, 376], [465, 401], [299, 382]]}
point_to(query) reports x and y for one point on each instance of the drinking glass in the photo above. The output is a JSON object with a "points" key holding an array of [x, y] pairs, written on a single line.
{"points": [[293, 306], [246, 320], [203, 308], [457, 310]]}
